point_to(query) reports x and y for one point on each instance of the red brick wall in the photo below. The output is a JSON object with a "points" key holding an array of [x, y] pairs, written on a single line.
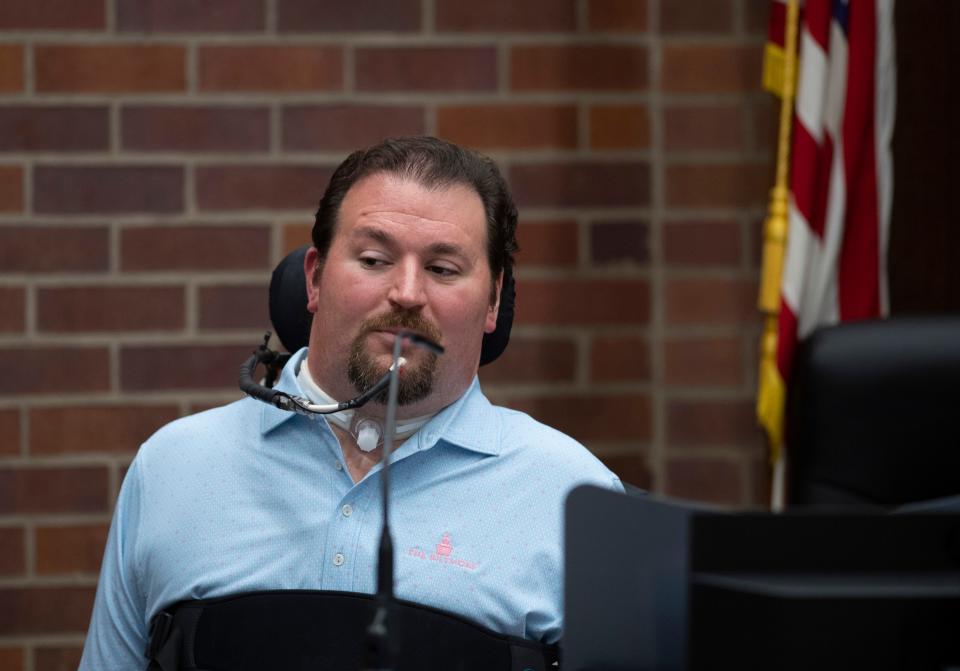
{"points": [[158, 157]]}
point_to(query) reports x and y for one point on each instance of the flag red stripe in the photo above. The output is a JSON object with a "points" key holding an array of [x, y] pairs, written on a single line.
{"points": [[786, 339], [858, 273], [816, 19], [810, 177]]}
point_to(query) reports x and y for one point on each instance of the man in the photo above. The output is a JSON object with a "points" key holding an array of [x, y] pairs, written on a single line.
{"points": [[413, 234]]}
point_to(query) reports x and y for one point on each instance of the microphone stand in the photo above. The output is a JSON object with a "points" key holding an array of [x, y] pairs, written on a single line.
{"points": [[380, 650]]}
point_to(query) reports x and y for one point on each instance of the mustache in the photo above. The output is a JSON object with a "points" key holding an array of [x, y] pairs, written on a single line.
{"points": [[410, 320]]}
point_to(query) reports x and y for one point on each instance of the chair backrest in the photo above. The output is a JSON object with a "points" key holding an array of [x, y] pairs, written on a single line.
{"points": [[872, 413]]}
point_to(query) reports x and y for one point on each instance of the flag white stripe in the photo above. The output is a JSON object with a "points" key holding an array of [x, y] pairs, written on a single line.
{"points": [[811, 88], [823, 292], [803, 248], [886, 98]]}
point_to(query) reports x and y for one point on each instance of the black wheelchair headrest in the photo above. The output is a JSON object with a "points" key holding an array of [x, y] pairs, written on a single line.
{"points": [[291, 320]]}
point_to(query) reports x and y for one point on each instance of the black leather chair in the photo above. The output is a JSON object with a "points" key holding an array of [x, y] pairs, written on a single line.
{"points": [[872, 414]]}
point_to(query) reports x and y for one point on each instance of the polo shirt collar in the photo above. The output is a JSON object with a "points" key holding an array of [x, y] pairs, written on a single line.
{"points": [[271, 416], [469, 422]]}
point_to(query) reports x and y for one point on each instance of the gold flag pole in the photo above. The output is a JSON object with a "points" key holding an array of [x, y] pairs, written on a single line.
{"points": [[771, 395]]}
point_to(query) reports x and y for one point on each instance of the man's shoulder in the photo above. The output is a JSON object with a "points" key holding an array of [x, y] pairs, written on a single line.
{"points": [[232, 419], [523, 437]]}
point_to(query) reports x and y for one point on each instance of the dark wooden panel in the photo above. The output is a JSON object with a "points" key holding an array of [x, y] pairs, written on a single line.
{"points": [[924, 255]]}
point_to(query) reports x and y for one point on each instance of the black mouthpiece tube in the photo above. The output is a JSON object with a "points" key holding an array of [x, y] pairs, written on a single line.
{"points": [[250, 387]]}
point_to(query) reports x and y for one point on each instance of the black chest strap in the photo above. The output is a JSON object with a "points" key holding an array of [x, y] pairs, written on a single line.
{"points": [[313, 630]]}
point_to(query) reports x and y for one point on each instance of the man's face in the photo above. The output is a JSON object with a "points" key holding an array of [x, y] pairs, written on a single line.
{"points": [[402, 256]]}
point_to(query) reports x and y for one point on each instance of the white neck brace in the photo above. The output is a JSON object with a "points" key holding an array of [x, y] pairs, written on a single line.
{"points": [[367, 431]]}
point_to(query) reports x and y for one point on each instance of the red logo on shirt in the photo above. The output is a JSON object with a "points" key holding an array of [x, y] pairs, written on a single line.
{"points": [[442, 555]]}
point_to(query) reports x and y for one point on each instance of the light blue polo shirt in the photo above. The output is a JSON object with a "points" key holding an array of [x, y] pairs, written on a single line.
{"points": [[248, 497]]}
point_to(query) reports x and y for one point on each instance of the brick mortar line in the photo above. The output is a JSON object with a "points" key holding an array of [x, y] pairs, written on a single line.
{"points": [[88, 402], [262, 98], [42, 640], [213, 218], [53, 580], [111, 16], [349, 68], [228, 392], [114, 131], [582, 16], [275, 130], [362, 39], [270, 17], [253, 218], [209, 336], [386, 39], [567, 389], [503, 72], [157, 337], [704, 394], [585, 272], [191, 77], [722, 451], [714, 158], [613, 448], [428, 16], [316, 158], [29, 68], [114, 254], [137, 338], [276, 250], [190, 205], [718, 272], [55, 519], [703, 331], [681, 213], [191, 307], [739, 19], [113, 484], [628, 212], [113, 363], [30, 311], [570, 332], [735, 99], [657, 452], [144, 280]]}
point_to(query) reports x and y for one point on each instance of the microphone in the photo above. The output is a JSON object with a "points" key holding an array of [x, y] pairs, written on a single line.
{"points": [[381, 650]]}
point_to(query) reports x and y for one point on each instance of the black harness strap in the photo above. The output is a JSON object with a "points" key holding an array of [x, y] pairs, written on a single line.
{"points": [[326, 630]]}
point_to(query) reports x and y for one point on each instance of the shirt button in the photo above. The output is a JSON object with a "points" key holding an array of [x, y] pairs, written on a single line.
{"points": [[347, 510], [337, 465], [338, 559]]}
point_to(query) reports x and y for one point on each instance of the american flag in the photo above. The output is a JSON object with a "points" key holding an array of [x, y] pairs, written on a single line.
{"points": [[841, 180], [841, 170]]}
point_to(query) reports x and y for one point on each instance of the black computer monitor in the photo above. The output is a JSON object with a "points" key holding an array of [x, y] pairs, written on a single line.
{"points": [[658, 585]]}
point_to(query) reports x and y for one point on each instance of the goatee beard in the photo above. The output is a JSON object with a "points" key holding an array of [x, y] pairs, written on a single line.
{"points": [[416, 381]]}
